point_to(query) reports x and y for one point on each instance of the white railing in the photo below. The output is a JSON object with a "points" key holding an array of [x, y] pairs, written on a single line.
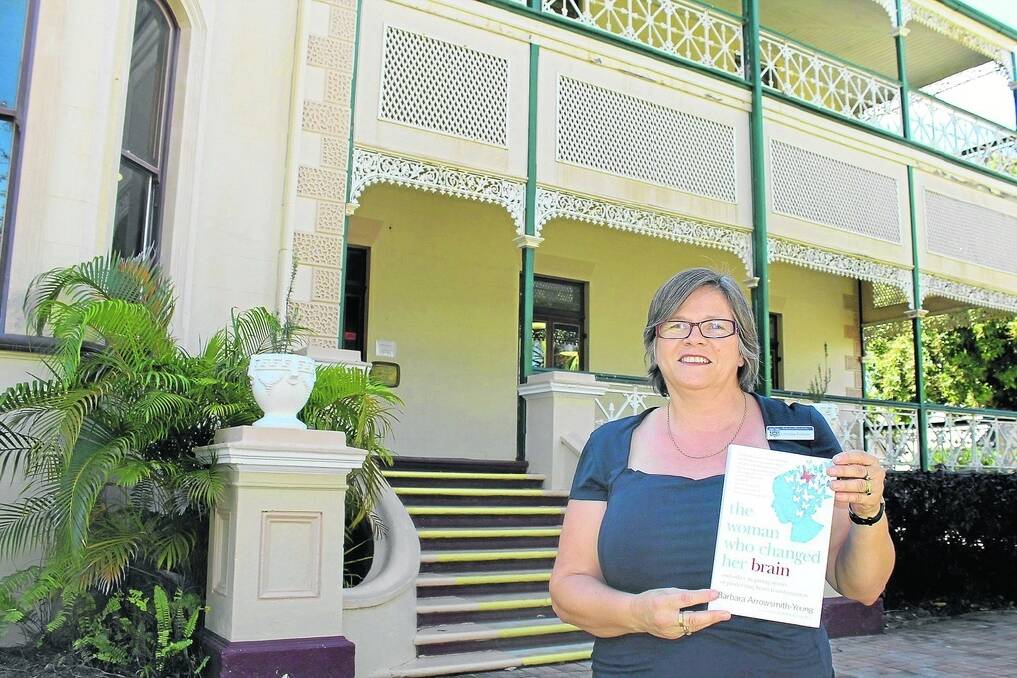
{"points": [[972, 441], [823, 81], [887, 431], [683, 29], [965, 135], [623, 400]]}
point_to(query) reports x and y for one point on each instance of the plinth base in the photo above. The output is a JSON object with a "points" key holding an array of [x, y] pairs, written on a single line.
{"points": [[845, 617], [319, 657]]}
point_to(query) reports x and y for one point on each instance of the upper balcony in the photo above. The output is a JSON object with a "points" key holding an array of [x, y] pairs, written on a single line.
{"points": [[838, 56], [636, 116]]}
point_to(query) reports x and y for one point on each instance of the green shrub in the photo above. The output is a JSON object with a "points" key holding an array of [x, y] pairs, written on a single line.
{"points": [[105, 440], [150, 635], [956, 539]]}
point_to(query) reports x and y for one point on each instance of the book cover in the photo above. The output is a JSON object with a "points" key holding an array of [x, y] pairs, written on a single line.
{"points": [[774, 536]]}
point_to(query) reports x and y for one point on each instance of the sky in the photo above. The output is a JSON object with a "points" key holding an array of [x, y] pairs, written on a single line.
{"points": [[986, 92]]}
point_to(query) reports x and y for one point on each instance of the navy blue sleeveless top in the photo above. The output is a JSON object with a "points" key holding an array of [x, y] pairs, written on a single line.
{"points": [[660, 531]]}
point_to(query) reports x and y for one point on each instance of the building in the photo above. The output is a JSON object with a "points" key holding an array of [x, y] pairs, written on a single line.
{"points": [[487, 192]]}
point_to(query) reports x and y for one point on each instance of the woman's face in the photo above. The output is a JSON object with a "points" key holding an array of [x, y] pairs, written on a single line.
{"points": [[696, 363]]}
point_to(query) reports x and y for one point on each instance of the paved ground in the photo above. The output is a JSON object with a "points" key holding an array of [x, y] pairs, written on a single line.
{"points": [[978, 644]]}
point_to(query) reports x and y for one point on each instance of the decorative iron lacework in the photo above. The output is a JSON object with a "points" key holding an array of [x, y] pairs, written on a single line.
{"points": [[970, 294], [621, 134], [445, 87], [841, 264], [684, 29], [884, 295], [557, 204], [969, 232], [824, 190], [810, 76], [963, 134], [371, 167], [928, 16], [890, 7]]}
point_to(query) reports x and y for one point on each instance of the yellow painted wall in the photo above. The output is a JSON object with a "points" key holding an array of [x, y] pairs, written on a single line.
{"points": [[444, 279], [623, 271], [816, 308]]}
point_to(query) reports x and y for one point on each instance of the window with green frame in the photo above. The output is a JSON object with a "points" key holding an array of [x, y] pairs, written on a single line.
{"points": [[559, 324]]}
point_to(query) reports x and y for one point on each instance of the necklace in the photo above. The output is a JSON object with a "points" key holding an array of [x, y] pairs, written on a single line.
{"points": [[745, 412]]}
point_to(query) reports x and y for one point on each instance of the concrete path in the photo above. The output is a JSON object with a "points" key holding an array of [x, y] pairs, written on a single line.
{"points": [[977, 644]]}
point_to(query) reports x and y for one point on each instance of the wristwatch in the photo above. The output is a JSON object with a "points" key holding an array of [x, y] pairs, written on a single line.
{"points": [[858, 520]]}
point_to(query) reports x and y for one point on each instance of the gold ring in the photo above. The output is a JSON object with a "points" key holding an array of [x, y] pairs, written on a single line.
{"points": [[686, 631], [868, 487], [867, 476]]}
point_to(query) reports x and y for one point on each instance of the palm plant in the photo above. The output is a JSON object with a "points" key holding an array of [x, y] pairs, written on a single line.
{"points": [[105, 438]]}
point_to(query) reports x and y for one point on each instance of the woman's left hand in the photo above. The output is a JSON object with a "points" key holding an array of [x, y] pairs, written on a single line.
{"points": [[859, 482]]}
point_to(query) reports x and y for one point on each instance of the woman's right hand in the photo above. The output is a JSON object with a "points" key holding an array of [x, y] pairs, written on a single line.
{"points": [[656, 611]]}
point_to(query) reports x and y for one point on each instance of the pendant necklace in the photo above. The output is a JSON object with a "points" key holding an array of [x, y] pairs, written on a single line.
{"points": [[674, 442]]}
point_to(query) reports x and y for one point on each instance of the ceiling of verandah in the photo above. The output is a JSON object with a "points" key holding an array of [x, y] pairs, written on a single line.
{"points": [[859, 32]]}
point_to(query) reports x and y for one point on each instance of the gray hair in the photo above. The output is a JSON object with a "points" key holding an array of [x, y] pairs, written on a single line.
{"points": [[673, 294]]}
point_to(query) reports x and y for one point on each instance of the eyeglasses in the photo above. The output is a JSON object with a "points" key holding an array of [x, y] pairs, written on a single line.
{"points": [[714, 328]]}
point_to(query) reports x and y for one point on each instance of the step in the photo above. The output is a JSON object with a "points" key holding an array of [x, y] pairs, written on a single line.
{"points": [[474, 578], [450, 633], [488, 532], [464, 479], [480, 496], [500, 559], [481, 516], [484, 608], [457, 464], [467, 637], [474, 582], [501, 601], [492, 660], [488, 538], [470, 556]]}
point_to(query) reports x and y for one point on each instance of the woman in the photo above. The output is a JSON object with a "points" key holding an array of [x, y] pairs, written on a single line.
{"points": [[637, 544]]}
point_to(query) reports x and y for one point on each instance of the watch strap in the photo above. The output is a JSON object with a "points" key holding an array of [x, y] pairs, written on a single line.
{"points": [[858, 520]]}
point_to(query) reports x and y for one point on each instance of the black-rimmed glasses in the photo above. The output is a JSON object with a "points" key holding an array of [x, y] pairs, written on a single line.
{"points": [[713, 328]]}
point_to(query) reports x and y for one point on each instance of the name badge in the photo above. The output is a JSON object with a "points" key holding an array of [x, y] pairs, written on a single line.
{"points": [[790, 433]]}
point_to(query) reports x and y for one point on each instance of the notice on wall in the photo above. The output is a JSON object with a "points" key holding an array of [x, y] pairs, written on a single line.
{"points": [[774, 536]]}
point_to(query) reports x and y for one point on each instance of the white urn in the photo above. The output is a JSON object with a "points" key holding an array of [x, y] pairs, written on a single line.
{"points": [[281, 383]]}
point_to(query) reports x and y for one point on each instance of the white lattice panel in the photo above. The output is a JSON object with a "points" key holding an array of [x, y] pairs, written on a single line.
{"points": [[824, 190], [621, 134], [444, 87], [970, 232]]}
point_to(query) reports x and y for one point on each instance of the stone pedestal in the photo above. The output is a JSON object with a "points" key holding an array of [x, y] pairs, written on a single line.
{"points": [[275, 558]]}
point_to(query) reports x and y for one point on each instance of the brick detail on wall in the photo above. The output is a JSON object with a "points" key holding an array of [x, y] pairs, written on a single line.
{"points": [[325, 124]]}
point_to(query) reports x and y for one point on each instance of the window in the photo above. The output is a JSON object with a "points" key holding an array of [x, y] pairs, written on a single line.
{"points": [[776, 351], [559, 324], [137, 220], [355, 306], [14, 22]]}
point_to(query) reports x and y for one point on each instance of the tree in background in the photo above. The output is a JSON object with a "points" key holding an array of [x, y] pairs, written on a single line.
{"points": [[970, 360]]}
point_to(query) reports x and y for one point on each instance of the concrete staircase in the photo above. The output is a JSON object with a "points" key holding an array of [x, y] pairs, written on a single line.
{"points": [[488, 537]]}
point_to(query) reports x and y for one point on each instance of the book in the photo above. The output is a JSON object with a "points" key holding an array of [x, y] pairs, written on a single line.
{"points": [[774, 536]]}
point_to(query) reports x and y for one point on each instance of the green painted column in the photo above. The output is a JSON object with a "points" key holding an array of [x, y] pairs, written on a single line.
{"points": [[916, 330], [760, 265], [1013, 80], [528, 242], [349, 180], [899, 33]]}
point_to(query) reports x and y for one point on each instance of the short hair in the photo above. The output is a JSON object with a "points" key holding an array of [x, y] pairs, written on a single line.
{"points": [[673, 294]]}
